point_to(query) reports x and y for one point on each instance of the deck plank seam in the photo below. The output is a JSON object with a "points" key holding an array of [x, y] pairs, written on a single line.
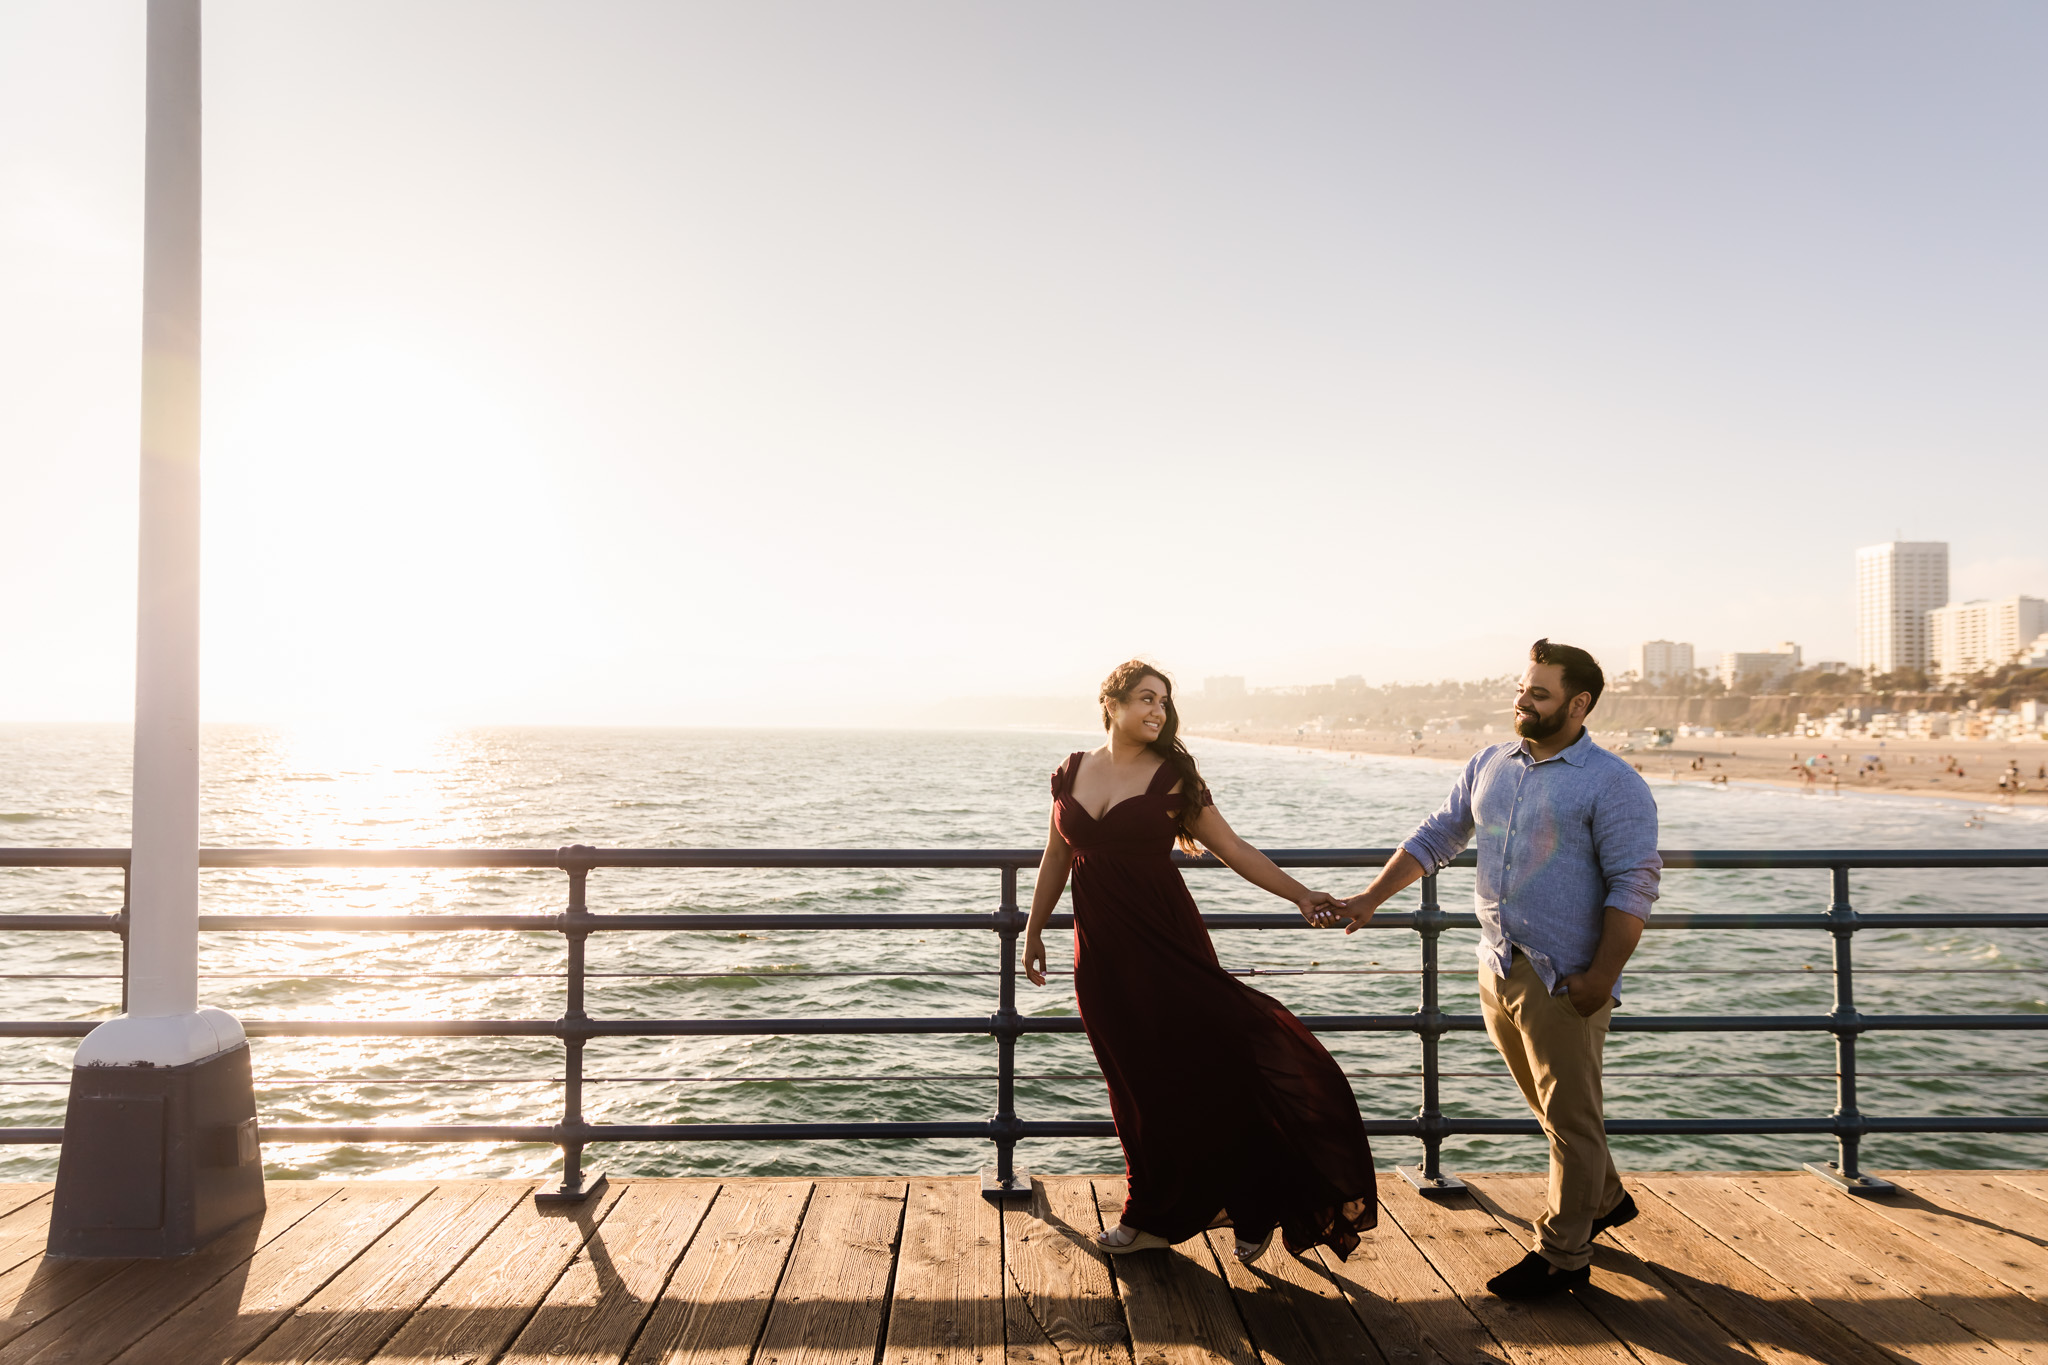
{"points": [[309, 1295], [1882, 1351], [1010, 1282], [889, 1284], [1650, 1271], [1421, 1245], [668, 1276], [1763, 1270], [1500, 1345], [198, 1292], [1116, 1279], [533, 1309], [1390, 1221], [781, 1275], [398, 1325], [2000, 1176], [1244, 1319], [1931, 1251]]}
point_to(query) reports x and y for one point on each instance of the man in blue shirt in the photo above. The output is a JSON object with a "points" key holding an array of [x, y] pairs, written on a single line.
{"points": [[1568, 869]]}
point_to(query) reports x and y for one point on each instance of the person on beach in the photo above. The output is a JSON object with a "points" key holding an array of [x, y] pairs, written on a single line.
{"points": [[1227, 1107], [1568, 869]]}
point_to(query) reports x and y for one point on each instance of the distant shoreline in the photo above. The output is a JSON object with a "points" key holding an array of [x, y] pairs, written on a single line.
{"points": [[1911, 768]]}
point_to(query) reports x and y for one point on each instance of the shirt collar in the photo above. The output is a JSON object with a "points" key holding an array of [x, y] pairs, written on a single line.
{"points": [[1576, 753]]}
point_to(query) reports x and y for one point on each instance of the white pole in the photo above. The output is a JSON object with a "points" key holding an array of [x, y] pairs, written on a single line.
{"points": [[164, 1024]]}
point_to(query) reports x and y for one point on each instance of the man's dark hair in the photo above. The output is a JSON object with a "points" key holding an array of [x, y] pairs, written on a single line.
{"points": [[1581, 670]]}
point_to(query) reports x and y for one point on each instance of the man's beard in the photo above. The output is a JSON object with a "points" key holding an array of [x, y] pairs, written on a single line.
{"points": [[1535, 727]]}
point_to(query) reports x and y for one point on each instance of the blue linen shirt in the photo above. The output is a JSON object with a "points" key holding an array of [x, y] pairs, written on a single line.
{"points": [[1559, 841]]}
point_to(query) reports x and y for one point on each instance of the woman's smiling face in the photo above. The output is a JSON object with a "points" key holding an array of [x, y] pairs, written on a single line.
{"points": [[1140, 716]]}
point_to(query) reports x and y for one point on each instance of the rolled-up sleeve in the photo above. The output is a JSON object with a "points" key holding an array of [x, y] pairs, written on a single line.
{"points": [[1443, 836], [1625, 841]]}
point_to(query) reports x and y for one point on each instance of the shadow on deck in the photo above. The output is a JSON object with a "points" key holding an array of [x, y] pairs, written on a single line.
{"points": [[1719, 1268]]}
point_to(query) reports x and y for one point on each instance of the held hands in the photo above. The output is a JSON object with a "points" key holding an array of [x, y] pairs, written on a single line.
{"points": [[1353, 914], [1320, 908], [1034, 960]]}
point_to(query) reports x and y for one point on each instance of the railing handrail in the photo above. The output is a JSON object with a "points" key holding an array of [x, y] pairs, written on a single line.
{"points": [[1006, 1025], [940, 858]]}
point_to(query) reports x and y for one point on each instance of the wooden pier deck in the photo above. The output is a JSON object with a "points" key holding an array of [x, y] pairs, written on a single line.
{"points": [[1719, 1269]]}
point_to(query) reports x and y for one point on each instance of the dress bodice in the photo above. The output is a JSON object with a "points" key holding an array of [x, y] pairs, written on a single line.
{"points": [[1141, 825]]}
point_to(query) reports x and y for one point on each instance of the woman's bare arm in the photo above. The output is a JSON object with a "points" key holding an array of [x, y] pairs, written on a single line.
{"points": [[1255, 867], [1053, 868]]}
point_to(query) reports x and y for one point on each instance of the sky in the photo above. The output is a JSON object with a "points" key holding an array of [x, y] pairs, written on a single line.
{"points": [[763, 363]]}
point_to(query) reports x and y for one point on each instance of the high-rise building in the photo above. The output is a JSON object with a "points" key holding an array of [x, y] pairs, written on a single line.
{"points": [[1965, 638], [1659, 661], [1764, 667], [1897, 584]]}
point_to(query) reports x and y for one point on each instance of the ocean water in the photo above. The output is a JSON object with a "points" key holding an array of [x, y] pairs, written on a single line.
{"points": [[542, 788]]}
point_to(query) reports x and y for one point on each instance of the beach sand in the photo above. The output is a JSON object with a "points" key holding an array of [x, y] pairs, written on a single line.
{"points": [[1905, 766]]}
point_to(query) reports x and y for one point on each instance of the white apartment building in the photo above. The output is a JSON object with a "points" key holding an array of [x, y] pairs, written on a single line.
{"points": [[1779, 662], [1661, 660], [1965, 638], [1897, 584], [1223, 689]]}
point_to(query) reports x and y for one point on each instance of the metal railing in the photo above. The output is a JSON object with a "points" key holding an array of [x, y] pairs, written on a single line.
{"points": [[1847, 1124]]}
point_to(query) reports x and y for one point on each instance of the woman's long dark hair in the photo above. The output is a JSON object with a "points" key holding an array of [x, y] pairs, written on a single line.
{"points": [[1117, 687]]}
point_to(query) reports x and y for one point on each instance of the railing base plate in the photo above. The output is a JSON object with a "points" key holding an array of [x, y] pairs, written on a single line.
{"points": [[593, 1184], [1869, 1186], [995, 1189], [1439, 1187]]}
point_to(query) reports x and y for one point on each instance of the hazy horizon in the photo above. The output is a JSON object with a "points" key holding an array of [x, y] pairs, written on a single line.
{"points": [[632, 363]]}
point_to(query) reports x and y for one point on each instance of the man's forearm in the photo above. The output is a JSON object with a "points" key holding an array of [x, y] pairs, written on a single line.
{"points": [[1620, 932], [1402, 871]]}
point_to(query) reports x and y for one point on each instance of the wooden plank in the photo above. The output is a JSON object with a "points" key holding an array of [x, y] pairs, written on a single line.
{"points": [[1059, 1297], [1413, 1316], [1975, 1218], [1294, 1311], [1859, 1299], [1179, 1309], [1468, 1246], [20, 1194], [947, 1304], [478, 1309], [2034, 1183], [595, 1309], [1775, 1321], [2013, 1323], [361, 1307], [828, 1310], [241, 1309], [25, 1232], [712, 1309], [39, 1287], [1659, 1324], [124, 1299]]}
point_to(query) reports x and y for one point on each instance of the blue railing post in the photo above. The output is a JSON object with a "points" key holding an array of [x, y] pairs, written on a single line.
{"points": [[1845, 1024], [1005, 1180], [577, 1185], [1429, 1027]]}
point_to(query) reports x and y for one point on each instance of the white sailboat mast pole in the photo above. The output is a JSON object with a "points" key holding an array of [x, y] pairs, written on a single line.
{"points": [[163, 930]]}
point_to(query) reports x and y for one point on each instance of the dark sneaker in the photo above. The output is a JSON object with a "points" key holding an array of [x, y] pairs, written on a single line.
{"points": [[1620, 1214], [1532, 1277]]}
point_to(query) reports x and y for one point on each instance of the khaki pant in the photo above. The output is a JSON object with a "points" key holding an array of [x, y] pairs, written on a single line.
{"points": [[1554, 1053]]}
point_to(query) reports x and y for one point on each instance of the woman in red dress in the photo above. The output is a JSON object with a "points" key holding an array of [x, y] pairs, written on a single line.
{"points": [[1226, 1105]]}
